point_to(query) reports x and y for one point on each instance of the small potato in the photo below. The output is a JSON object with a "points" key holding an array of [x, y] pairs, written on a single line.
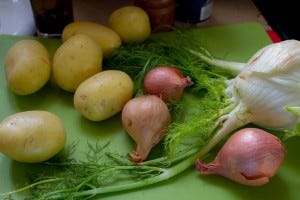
{"points": [[108, 39], [27, 67], [103, 95], [32, 136], [131, 23], [76, 60]]}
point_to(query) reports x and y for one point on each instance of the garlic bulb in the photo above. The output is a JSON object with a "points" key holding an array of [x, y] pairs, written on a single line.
{"points": [[265, 92]]}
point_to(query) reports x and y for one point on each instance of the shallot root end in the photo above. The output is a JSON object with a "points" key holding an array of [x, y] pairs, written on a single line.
{"points": [[211, 168], [188, 81]]}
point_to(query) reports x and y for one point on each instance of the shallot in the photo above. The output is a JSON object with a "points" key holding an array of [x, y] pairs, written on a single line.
{"points": [[250, 157], [146, 120], [166, 82]]}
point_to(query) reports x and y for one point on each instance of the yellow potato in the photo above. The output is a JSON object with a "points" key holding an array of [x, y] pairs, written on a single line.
{"points": [[76, 60], [108, 39], [27, 67], [131, 23], [103, 95], [32, 136]]}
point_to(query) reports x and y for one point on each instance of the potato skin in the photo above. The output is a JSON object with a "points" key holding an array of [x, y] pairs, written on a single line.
{"points": [[75, 60], [131, 23], [27, 67], [108, 39], [103, 95], [32, 136]]}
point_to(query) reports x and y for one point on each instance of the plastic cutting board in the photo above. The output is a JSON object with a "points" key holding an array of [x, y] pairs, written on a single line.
{"points": [[236, 42]]}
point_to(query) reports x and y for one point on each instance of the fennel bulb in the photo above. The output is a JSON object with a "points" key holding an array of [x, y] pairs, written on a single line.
{"points": [[265, 92]]}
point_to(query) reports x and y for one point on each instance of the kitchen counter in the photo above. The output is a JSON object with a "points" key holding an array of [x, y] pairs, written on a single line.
{"points": [[224, 11]]}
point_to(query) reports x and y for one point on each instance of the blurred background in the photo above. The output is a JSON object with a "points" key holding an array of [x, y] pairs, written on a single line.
{"points": [[282, 16], [16, 16]]}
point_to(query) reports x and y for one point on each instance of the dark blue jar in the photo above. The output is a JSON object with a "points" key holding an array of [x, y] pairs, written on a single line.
{"points": [[193, 11]]}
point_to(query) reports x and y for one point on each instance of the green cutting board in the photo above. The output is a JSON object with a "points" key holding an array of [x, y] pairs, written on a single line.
{"points": [[233, 42]]}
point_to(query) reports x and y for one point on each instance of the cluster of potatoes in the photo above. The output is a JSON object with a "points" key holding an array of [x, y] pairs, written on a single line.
{"points": [[76, 67]]}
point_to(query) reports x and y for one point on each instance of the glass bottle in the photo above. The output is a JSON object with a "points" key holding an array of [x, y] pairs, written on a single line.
{"points": [[193, 11], [160, 12]]}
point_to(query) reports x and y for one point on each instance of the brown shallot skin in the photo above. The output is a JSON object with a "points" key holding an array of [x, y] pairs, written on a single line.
{"points": [[166, 82], [146, 120], [251, 157]]}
